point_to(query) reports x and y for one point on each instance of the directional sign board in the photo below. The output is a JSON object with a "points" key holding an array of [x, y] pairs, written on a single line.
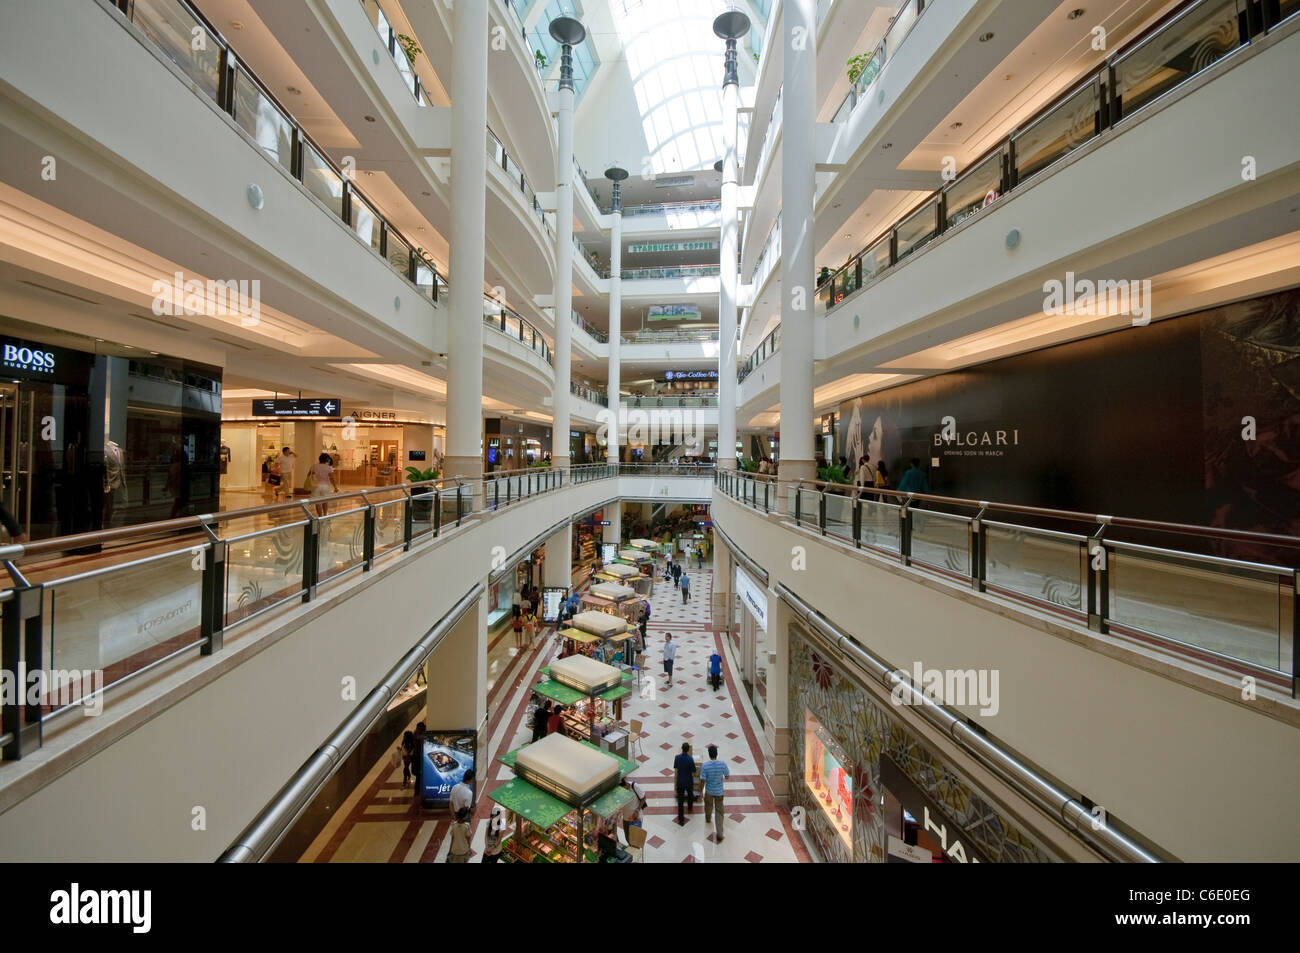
{"points": [[326, 407]]}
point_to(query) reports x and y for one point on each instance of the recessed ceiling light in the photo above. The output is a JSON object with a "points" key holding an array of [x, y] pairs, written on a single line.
{"points": [[236, 24], [366, 172], [368, 118], [294, 90], [985, 37], [887, 145], [426, 193], [1076, 13], [956, 125]]}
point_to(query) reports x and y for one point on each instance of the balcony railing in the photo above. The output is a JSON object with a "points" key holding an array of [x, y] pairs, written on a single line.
{"points": [[670, 400], [897, 31], [589, 393], [594, 332], [1106, 574], [216, 574], [672, 271], [685, 336], [497, 154], [179, 31], [590, 257], [389, 37], [1161, 60], [668, 208], [514, 326], [766, 348]]}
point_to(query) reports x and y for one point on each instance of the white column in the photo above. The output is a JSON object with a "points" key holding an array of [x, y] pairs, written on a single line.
{"points": [[457, 676], [615, 332], [557, 569], [613, 533], [730, 278], [798, 281], [563, 281], [464, 454]]}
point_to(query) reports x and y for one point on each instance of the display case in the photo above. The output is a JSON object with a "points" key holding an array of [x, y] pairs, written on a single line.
{"points": [[828, 776]]}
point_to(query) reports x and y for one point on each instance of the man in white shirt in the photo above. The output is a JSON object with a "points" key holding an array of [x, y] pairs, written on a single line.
{"points": [[669, 653], [462, 794], [287, 459]]}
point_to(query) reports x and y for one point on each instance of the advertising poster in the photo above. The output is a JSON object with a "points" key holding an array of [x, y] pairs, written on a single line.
{"points": [[552, 599], [1190, 420], [447, 756]]}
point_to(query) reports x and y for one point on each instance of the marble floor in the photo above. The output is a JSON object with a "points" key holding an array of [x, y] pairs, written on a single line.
{"points": [[380, 822]]}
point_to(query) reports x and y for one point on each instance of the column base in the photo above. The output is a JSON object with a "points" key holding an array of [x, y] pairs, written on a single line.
{"points": [[467, 468], [777, 766], [559, 461], [789, 471]]}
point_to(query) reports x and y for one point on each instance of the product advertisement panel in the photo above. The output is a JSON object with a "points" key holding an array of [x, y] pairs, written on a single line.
{"points": [[447, 756]]}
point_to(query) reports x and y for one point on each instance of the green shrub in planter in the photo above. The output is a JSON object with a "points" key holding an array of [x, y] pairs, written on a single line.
{"points": [[421, 508]]}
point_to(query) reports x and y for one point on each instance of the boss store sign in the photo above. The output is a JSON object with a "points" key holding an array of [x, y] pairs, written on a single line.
{"points": [[30, 361]]}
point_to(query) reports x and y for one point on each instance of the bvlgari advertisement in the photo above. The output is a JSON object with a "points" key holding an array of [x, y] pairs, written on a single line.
{"points": [[1195, 420]]}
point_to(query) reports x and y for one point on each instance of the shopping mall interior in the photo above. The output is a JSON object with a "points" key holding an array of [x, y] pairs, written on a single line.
{"points": [[577, 431]]}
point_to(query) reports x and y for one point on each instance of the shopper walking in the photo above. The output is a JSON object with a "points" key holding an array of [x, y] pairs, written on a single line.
{"points": [[686, 588], [914, 480], [462, 793], [458, 852], [684, 766], [408, 757], [541, 715], [323, 482], [286, 462], [715, 670], [669, 655], [699, 558], [713, 774], [645, 621], [677, 573], [518, 626], [496, 833]]}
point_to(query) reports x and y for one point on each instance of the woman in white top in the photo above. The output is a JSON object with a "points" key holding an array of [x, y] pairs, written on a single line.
{"points": [[323, 474]]}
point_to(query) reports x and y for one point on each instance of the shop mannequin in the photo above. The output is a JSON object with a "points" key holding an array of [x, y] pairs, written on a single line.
{"points": [[114, 483]]}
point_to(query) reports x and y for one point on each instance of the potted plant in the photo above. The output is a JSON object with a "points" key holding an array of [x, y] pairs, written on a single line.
{"points": [[421, 507], [540, 59], [409, 47]]}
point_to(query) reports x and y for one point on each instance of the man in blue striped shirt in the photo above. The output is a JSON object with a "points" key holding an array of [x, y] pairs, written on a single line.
{"points": [[713, 774]]}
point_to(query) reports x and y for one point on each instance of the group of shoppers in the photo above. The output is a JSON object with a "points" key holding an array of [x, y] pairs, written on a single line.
{"points": [[547, 720], [713, 775], [320, 481]]}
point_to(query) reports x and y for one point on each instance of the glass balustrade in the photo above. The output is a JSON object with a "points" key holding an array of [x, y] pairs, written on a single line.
{"points": [[1200, 606], [1203, 33], [180, 33]]}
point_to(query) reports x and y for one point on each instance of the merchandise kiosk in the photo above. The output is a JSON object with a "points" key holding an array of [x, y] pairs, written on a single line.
{"points": [[628, 575], [611, 598], [587, 689], [565, 798]]}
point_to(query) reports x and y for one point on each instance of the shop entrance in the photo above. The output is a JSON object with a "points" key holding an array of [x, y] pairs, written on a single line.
{"points": [[17, 422], [46, 478]]}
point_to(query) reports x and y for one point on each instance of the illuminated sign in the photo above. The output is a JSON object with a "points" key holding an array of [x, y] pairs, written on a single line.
{"points": [[328, 407]]}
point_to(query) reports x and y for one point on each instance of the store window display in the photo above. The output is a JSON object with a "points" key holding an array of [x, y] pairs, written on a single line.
{"points": [[829, 777]]}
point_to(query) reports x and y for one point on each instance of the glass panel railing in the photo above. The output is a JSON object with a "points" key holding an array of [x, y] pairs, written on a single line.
{"points": [[366, 223], [424, 279], [916, 230], [390, 516], [123, 618], [1231, 610], [977, 188], [839, 515], [1179, 50], [340, 544], [1042, 566], [898, 30], [941, 541], [179, 32], [263, 570], [674, 271], [1058, 133], [321, 180], [1205, 32], [183, 39], [880, 527], [258, 116], [398, 253]]}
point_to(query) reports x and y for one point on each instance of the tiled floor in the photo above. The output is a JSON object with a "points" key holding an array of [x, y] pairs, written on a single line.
{"points": [[379, 821]]}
